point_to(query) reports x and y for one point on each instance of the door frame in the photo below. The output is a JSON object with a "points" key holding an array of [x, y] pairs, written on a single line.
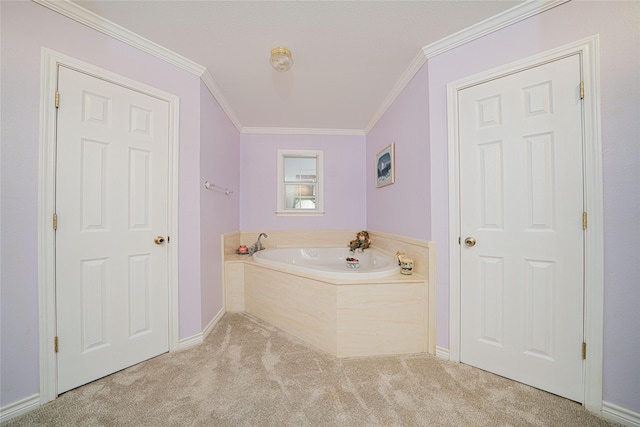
{"points": [[46, 206], [588, 49]]}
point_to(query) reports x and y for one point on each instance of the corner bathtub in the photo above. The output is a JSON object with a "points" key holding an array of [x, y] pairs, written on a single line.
{"points": [[347, 312], [330, 262]]}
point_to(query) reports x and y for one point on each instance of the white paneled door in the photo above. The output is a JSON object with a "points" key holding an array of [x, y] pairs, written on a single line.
{"points": [[111, 205], [521, 215]]}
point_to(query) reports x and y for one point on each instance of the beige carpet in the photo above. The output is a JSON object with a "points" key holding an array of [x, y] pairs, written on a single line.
{"points": [[248, 373]]}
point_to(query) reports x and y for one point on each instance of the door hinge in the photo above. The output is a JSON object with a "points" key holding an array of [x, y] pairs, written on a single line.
{"points": [[55, 344], [584, 220], [57, 99], [581, 90], [584, 351], [55, 221]]}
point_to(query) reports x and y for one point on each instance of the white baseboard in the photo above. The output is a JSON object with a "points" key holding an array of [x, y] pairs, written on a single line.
{"points": [[621, 415], [189, 342], [213, 323], [442, 353], [198, 338], [20, 407]]}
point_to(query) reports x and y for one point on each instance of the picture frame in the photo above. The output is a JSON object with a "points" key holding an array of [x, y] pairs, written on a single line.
{"points": [[385, 166]]}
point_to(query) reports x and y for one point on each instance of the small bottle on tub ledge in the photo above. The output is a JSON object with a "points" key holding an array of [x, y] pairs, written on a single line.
{"points": [[352, 262], [406, 264]]}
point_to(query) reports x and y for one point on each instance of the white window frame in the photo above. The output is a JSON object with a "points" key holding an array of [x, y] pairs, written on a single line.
{"points": [[319, 210]]}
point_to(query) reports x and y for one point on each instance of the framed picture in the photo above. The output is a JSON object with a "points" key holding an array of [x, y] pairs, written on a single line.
{"points": [[385, 167]]}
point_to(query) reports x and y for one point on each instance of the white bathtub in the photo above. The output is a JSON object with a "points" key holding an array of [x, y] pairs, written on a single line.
{"points": [[330, 262]]}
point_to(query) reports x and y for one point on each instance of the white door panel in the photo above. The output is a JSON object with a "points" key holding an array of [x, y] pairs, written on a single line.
{"points": [[111, 201], [521, 199]]}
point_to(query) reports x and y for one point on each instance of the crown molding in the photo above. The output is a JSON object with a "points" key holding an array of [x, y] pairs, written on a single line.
{"points": [[90, 19], [302, 131], [111, 29], [495, 23], [215, 90], [509, 17], [400, 85]]}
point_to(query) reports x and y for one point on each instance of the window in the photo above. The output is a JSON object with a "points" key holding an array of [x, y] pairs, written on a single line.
{"points": [[299, 182]]}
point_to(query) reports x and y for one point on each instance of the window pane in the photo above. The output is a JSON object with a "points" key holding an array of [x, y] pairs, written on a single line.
{"points": [[300, 196], [300, 169], [300, 186]]}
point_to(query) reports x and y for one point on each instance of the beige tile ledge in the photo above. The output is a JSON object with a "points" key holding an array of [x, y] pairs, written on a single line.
{"points": [[421, 251], [231, 257], [397, 278]]}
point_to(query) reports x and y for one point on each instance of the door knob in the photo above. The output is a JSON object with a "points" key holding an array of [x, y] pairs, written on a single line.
{"points": [[469, 242], [159, 240]]}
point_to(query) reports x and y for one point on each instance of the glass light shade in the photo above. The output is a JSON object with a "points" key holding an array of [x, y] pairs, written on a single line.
{"points": [[281, 59]]}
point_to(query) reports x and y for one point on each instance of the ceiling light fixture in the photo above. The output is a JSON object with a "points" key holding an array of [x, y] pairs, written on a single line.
{"points": [[281, 59]]}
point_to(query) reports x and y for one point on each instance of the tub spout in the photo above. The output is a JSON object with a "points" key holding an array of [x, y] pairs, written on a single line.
{"points": [[258, 244]]}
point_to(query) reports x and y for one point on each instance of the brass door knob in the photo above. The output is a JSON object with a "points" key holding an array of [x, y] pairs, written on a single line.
{"points": [[469, 242], [159, 240]]}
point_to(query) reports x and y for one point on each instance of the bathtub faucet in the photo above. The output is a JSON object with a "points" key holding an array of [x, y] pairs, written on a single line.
{"points": [[258, 244]]}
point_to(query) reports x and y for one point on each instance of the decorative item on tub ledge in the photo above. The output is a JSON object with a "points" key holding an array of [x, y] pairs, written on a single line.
{"points": [[353, 262], [406, 264], [361, 241]]}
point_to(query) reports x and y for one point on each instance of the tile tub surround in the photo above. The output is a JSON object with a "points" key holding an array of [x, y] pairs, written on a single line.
{"points": [[421, 251], [300, 238], [345, 318]]}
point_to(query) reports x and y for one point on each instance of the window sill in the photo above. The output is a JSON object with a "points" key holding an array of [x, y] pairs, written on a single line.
{"points": [[300, 213]]}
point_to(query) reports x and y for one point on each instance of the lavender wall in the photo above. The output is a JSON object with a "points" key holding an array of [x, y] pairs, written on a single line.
{"points": [[404, 207], [618, 25], [416, 206], [344, 182], [219, 214], [26, 27]]}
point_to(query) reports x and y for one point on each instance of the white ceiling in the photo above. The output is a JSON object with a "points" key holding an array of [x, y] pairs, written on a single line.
{"points": [[350, 57]]}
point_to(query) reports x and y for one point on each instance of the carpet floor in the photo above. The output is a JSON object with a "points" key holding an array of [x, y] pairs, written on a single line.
{"points": [[249, 373]]}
